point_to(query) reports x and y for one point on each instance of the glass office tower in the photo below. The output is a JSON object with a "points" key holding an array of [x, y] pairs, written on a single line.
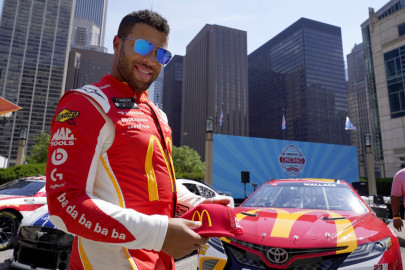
{"points": [[172, 95], [299, 74], [95, 11], [358, 103], [34, 40], [214, 85]]}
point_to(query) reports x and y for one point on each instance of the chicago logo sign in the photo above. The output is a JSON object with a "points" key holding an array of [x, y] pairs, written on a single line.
{"points": [[292, 160]]}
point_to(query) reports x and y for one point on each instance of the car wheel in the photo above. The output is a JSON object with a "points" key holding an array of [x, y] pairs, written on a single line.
{"points": [[9, 223]]}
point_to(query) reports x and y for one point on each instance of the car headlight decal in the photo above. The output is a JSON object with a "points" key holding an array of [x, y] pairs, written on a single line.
{"points": [[369, 251]]}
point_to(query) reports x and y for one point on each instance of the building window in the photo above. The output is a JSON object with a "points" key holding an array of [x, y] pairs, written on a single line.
{"points": [[394, 70], [401, 29]]}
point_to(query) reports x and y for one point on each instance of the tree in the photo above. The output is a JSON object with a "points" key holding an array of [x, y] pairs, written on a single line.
{"points": [[39, 152], [187, 163]]}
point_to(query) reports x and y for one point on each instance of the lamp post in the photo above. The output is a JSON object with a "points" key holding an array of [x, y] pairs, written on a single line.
{"points": [[209, 129], [372, 188], [21, 147]]}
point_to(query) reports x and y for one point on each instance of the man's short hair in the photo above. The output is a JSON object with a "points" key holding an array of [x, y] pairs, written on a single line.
{"points": [[146, 16]]}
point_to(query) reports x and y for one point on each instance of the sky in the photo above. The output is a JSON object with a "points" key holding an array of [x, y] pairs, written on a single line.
{"points": [[262, 19]]}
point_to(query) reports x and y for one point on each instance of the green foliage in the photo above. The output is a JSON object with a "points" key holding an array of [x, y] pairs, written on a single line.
{"points": [[39, 151], [193, 176], [187, 163], [19, 171]]}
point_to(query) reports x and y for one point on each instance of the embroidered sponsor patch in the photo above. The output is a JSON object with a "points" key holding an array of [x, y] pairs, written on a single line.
{"points": [[125, 103], [63, 136], [68, 116]]}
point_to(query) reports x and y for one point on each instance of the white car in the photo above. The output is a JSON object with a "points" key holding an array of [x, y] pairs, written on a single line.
{"points": [[204, 190], [18, 199]]}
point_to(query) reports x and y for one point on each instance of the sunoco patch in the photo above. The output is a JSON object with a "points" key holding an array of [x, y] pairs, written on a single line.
{"points": [[125, 103], [67, 116]]}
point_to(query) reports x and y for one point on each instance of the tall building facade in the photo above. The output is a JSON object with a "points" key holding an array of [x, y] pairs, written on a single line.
{"points": [[215, 85], [34, 46], [357, 100], [299, 75], [172, 95], [89, 24], [157, 95], [86, 67], [384, 39]]}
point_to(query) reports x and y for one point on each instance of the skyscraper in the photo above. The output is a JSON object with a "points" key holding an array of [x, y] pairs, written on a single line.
{"points": [[172, 95], [215, 85], [86, 67], [383, 38], [33, 57], [358, 103], [158, 90], [299, 74], [89, 24]]}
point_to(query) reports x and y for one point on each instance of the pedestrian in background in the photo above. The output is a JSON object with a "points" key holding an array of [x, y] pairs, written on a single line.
{"points": [[398, 193]]}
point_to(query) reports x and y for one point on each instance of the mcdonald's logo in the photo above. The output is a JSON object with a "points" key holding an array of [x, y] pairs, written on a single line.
{"points": [[200, 217]]}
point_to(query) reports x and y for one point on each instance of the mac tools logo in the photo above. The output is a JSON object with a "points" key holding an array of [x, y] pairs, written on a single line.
{"points": [[292, 160], [63, 136]]}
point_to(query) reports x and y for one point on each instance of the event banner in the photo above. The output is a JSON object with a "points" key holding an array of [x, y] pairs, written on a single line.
{"points": [[267, 159]]}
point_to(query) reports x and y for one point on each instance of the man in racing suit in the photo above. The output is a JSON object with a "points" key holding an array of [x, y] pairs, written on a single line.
{"points": [[110, 177]]}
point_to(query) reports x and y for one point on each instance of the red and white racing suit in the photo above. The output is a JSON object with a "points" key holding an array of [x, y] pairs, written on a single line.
{"points": [[110, 178]]}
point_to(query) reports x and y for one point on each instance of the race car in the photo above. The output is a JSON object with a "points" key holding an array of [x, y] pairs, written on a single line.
{"points": [[40, 245], [18, 199], [305, 224]]}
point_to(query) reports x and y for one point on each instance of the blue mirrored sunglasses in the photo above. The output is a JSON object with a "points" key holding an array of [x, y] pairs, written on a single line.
{"points": [[144, 47]]}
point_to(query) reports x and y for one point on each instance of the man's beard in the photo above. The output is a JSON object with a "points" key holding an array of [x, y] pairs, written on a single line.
{"points": [[124, 69]]}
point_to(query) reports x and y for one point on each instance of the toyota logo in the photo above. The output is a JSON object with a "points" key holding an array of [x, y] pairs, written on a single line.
{"points": [[277, 255]]}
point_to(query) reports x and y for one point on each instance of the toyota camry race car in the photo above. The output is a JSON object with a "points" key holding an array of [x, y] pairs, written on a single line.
{"points": [[305, 224], [18, 199]]}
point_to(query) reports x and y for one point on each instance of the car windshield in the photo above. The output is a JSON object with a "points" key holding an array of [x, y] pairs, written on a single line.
{"points": [[309, 195], [21, 187]]}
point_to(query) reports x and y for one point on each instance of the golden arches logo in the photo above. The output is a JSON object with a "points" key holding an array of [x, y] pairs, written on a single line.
{"points": [[345, 234], [150, 172], [201, 216]]}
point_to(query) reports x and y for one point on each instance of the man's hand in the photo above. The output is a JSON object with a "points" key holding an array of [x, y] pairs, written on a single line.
{"points": [[223, 201], [398, 224], [181, 239]]}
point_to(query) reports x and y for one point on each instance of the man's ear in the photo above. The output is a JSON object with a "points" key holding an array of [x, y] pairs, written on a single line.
{"points": [[117, 44]]}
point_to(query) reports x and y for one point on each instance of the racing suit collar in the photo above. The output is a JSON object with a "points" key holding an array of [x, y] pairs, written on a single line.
{"points": [[126, 90]]}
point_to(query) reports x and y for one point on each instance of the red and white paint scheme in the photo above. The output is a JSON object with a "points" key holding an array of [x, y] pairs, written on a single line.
{"points": [[18, 199], [305, 224]]}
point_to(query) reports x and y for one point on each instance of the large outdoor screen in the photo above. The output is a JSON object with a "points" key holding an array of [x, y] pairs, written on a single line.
{"points": [[267, 159]]}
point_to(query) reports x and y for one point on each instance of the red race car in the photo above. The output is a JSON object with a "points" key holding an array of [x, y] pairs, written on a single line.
{"points": [[18, 199], [305, 224]]}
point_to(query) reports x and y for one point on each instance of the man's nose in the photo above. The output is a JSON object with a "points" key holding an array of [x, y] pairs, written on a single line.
{"points": [[151, 56]]}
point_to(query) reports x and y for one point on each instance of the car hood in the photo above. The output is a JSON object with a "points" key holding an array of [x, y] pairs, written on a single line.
{"points": [[39, 217], [304, 228]]}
